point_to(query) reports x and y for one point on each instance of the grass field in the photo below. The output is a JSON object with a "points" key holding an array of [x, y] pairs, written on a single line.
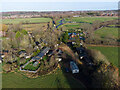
{"points": [[111, 53], [25, 20], [72, 26], [34, 26], [55, 80], [91, 19], [103, 32]]}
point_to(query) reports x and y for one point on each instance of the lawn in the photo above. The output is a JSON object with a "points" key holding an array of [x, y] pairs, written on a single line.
{"points": [[111, 53], [54, 80], [91, 19], [25, 20], [45, 58], [31, 67], [107, 31]]}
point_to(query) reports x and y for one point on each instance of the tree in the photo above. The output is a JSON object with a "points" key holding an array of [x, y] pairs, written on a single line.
{"points": [[96, 24], [88, 29], [4, 27], [65, 37], [77, 40]]}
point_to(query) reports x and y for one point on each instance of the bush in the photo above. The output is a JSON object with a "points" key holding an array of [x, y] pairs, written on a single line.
{"points": [[18, 34], [24, 32], [35, 53], [31, 67]]}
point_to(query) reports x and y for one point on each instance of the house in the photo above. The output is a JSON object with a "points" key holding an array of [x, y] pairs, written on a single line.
{"points": [[76, 16], [41, 54], [50, 53], [2, 55], [74, 67], [4, 52], [29, 56], [22, 53]]}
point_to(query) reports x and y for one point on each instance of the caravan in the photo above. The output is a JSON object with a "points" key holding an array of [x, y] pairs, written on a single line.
{"points": [[74, 67]]}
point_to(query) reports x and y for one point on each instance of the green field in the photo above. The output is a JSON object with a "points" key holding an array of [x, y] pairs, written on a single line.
{"points": [[55, 80], [91, 19], [113, 25], [34, 26], [111, 53], [72, 26], [107, 31], [25, 20]]}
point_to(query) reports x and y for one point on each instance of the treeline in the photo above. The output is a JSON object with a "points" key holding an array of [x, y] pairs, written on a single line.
{"points": [[97, 24], [102, 42], [91, 38], [105, 74]]}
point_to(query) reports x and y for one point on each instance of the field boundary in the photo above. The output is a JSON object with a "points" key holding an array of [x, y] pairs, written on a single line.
{"points": [[93, 45]]}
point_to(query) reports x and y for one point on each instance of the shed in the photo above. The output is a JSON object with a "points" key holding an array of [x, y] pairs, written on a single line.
{"points": [[41, 54]]}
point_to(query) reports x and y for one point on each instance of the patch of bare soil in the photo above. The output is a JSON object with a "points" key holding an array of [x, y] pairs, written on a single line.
{"points": [[66, 49]]}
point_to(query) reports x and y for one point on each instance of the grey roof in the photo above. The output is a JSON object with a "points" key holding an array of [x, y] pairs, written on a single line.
{"points": [[41, 54], [45, 50]]}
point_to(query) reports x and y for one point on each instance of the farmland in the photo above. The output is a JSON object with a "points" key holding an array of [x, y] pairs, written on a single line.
{"points": [[103, 32], [34, 26], [72, 26], [25, 20], [58, 79], [111, 53], [91, 19], [54, 80]]}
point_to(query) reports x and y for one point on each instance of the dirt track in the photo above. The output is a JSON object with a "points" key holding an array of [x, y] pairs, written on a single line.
{"points": [[64, 47]]}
